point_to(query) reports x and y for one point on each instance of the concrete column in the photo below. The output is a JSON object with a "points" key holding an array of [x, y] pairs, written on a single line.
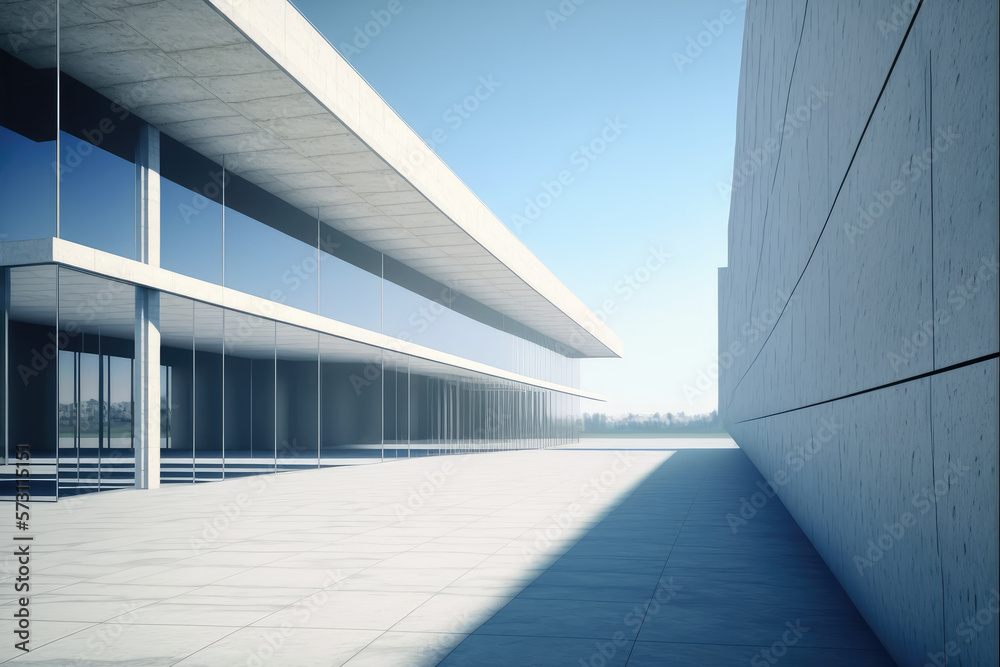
{"points": [[147, 215], [146, 388], [146, 370]]}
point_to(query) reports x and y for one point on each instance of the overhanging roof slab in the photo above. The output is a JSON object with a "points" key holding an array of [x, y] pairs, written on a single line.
{"points": [[294, 101]]}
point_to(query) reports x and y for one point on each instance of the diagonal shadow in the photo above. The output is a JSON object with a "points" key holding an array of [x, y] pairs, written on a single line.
{"points": [[664, 579]]}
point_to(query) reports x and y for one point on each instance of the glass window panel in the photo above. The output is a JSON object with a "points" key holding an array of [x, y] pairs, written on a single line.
{"points": [[351, 412], [98, 141], [268, 263], [348, 293], [119, 402], [190, 232], [27, 187], [68, 414], [297, 396], [28, 126], [208, 392], [250, 382], [96, 328], [413, 317], [177, 364], [191, 195], [96, 197], [32, 360]]}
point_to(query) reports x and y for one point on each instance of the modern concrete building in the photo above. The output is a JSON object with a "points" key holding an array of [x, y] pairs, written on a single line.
{"points": [[223, 254], [858, 331]]}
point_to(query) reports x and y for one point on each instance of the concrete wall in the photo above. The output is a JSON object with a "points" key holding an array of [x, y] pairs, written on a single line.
{"points": [[858, 316]]}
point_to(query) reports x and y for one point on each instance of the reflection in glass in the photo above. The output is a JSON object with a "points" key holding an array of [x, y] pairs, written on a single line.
{"points": [[95, 413], [119, 401], [190, 233], [348, 293], [351, 411], [208, 392], [96, 197], [28, 126], [27, 187], [432, 323], [249, 391], [297, 397], [395, 404], [265, 262], [176, 389]]}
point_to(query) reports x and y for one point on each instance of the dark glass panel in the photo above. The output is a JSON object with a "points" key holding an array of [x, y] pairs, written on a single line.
{"points": [[268, 263], [249, 392], [97, 176], [350, 286], [297, 397], [190, 212], [28, 131], [177, 413], [351, 411], [208, 392]]}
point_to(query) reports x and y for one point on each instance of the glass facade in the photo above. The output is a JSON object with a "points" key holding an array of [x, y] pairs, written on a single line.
{"points": [[239, 394], [191, 238], [218, 227]]}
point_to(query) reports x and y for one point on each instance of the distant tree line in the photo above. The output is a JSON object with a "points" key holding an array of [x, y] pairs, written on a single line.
{"points": [[598, 422]]}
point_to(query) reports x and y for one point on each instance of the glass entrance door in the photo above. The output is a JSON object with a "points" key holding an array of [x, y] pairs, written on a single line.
{"points": [[95, 422]]}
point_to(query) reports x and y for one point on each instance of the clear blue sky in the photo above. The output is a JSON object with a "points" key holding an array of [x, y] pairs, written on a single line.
{"points": [[653, 189]]}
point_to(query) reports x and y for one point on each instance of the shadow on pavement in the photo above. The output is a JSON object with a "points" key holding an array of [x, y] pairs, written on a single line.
{"points": [[667, 578]]}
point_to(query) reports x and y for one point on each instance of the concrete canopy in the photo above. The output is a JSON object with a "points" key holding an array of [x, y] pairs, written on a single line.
{"points": [[253, 84]]}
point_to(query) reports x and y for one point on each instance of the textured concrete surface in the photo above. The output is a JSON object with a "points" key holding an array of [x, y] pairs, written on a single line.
{"points": [[622, 552], [862, 270]]}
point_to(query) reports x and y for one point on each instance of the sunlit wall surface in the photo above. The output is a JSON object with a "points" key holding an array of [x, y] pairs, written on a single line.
{"points": [[858, 316], [238, 394]]}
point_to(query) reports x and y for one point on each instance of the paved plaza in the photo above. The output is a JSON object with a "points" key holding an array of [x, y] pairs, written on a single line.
{"points": [[608, 552]]}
